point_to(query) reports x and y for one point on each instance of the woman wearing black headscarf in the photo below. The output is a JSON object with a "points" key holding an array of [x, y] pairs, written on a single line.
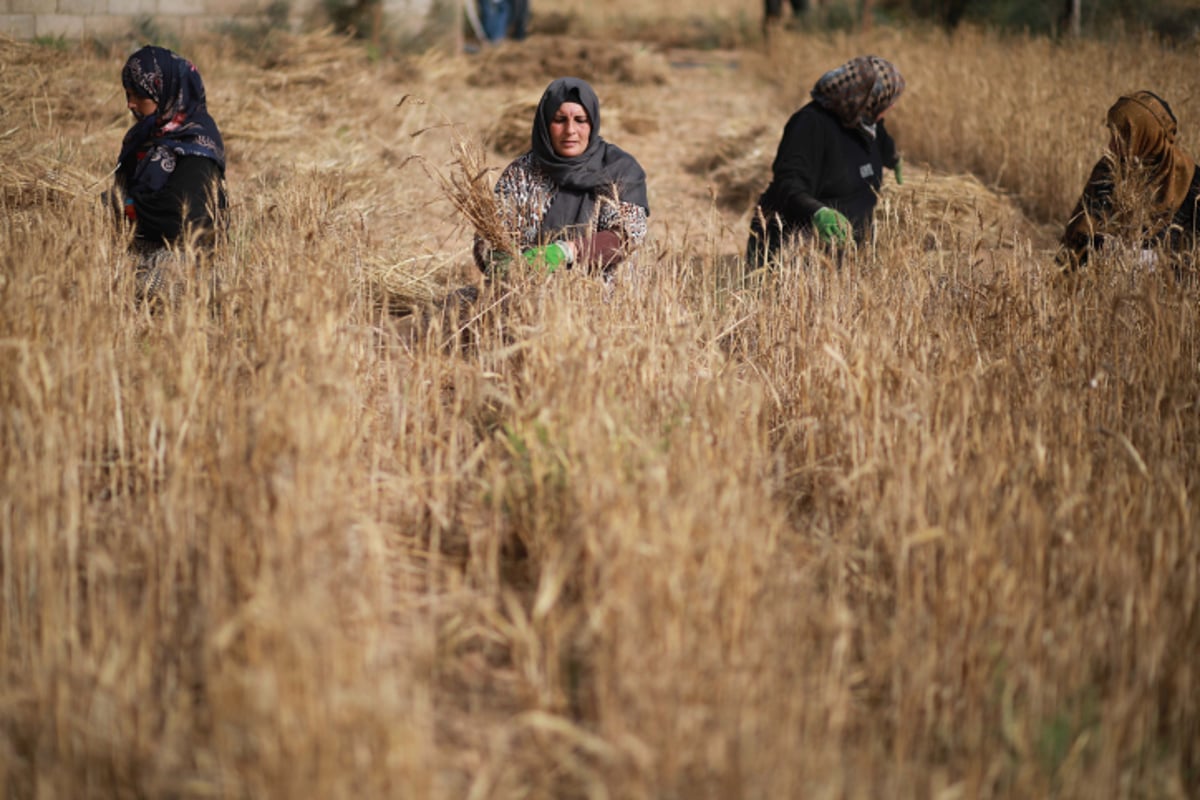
{"points": [[170, 173], [829, 166], [573, 200]]}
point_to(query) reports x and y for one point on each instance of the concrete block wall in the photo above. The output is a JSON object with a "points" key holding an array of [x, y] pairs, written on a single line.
{"points": [[78, 19]]}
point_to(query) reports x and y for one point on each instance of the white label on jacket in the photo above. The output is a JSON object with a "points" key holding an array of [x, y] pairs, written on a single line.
{"points": [[866, 170]]}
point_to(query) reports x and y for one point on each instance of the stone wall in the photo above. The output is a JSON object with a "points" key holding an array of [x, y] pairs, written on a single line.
{"points": [[79, 19]]}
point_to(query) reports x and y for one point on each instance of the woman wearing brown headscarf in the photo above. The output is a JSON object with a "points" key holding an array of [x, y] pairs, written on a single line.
{"points": [[1144, 190]]}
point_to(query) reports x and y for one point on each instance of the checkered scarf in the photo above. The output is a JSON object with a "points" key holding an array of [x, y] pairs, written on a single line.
{"points": [[860, 90]]}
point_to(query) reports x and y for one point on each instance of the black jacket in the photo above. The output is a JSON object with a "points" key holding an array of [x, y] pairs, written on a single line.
{"points": [[195, 185], [821, 162]]}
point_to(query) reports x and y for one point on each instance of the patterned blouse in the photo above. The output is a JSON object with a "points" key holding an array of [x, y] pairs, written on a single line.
{"points": [[523, 195]]}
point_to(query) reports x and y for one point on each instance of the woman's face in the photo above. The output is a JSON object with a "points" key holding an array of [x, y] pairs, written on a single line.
{"points": [[141, 107], [570, 130]]}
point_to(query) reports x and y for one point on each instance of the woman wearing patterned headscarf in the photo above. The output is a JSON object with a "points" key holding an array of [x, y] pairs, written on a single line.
{"points": [[829, 166], [573, 200], [171, 169], [1145, 189]]}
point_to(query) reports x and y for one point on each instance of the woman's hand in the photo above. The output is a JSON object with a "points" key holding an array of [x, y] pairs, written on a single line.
{"points": [[550, 257], [831, 225]]}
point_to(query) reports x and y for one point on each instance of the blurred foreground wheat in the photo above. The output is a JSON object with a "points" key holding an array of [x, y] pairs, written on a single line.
{"points": [[919, 527]]}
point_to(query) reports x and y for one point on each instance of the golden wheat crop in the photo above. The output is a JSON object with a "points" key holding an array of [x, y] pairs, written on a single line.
{"points": [[921, 526]]}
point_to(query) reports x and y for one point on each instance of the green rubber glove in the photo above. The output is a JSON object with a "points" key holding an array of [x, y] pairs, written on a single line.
{"points": [[831, 226], [899, 174], [548, 257]]}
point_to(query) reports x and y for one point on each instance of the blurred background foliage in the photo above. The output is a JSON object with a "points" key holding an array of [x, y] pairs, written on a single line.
{"points": [[735, 23], [1175, 20]]}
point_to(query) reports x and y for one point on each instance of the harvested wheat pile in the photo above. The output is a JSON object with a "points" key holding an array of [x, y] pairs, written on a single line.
{"points": [[941, 208], [541, 60], [26, 184], [738, 165], [510, 135], [944, 208], [404, 285], [316, 57], [19, 54], [466, 183], [36, 166]]}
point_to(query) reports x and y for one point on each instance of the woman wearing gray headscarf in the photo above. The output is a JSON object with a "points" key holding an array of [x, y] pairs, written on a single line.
{"points": [[573, 200], [829, 165]]}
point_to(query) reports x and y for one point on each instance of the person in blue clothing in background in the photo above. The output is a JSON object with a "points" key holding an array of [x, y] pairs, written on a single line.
{"points": [[500, 17], [520, 19]]}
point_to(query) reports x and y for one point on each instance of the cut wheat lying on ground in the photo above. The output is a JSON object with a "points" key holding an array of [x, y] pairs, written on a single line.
{"points": [[923, 525]]}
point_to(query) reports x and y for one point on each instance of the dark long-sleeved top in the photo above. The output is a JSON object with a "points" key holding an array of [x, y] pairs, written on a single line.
{"points": [[186, 201], [820, 162], [1088, 226]]}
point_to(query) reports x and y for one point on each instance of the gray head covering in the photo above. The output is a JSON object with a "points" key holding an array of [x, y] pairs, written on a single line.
{"points": [[601, 169]]}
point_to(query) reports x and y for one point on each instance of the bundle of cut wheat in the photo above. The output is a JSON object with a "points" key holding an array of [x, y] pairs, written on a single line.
{"points": [[27, 183], [406, 283], [469, 189], [467, 185]]}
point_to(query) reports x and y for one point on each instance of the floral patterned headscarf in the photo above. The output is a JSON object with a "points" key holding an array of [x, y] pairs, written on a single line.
{"points": [[180, 127], [860, 90]]}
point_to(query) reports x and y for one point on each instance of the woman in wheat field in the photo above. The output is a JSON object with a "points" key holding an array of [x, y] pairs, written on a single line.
{"points": [[171, 169], [829, 166], [572, 201], [1144, 191]]}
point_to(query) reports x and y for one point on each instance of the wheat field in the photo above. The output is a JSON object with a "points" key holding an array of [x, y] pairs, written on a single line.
{"points": [[921, 526]]}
